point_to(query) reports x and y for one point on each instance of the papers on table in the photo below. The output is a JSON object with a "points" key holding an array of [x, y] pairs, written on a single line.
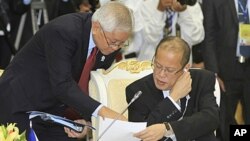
{"points": [[120, 130]]}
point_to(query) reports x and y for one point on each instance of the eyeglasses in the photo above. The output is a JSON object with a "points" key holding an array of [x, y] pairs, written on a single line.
{"points": [[167, 70], [114, 44]]}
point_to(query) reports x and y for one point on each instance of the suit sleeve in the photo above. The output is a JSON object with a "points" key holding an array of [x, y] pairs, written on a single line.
{"points": [[209, 44], [58, 50], [205, 116]]}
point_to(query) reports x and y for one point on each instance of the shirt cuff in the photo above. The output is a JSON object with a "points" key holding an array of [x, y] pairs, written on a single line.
{"points": [[95, 113]]}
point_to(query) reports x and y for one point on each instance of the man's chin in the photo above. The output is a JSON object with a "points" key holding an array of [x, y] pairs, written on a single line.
{"points": [[161, 86]]}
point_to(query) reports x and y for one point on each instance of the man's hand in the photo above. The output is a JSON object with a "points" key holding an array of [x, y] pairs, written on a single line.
{"points": [[176, 6], [73, 134], [181, 87], [171, 4], [164, 5], [152, 133], [221, 83], [106, 112]]}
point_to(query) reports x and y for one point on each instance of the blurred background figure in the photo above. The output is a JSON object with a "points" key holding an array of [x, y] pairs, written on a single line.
{"points": [[5, 51], [197, 52], [83, 6], [222, 54], [9, 20], [16, 21], [158, 18]]}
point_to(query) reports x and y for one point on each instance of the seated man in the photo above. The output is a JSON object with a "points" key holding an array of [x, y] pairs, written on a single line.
{"points": [[177, 104]]}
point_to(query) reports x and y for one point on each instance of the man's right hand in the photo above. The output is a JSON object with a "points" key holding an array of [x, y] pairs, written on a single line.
{"points": [[221, 83], [108, 113], [181, 87], [176, 6]]}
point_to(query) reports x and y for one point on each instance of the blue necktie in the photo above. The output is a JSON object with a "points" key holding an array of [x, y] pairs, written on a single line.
{"points": [[243, 11], [169, 21]]}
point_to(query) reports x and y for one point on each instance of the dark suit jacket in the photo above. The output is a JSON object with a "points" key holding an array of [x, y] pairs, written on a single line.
{"points": [[200, 119], [219, 47], [43, 76]]}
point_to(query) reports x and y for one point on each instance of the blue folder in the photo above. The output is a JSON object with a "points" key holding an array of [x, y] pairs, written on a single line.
{"points": [[59, 120]]}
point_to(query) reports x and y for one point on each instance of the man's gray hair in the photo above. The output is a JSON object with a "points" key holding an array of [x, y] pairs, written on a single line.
{"points": [[114, 16]]}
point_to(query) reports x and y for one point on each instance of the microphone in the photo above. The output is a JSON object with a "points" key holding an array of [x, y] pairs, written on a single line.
{"points": [[136, 96]]}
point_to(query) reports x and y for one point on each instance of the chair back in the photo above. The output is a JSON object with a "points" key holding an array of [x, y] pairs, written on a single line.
{"points": [[108, 86]]}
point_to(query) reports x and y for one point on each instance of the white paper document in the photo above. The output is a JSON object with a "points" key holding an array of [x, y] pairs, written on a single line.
{"points": [[120, 130]]}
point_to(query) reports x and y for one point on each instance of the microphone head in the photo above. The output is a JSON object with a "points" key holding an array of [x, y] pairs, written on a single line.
{"points": [[138, 94]]}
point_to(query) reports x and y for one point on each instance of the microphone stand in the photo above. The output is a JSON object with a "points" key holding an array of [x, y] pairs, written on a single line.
{"points": [[136, 96]]}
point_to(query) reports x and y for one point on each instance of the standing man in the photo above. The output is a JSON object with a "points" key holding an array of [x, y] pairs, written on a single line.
{"points": [[6, 46], [223, 53], [185, 21], [176, 103], [44, 75]]}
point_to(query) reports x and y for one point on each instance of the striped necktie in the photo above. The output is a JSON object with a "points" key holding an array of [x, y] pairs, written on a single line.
{"points": [[169, 21]]}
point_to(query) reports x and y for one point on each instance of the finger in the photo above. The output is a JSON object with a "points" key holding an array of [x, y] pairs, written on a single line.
{"points": [[70, 134], [66, 130], [81, 121], [146, 136], [140, 134]]}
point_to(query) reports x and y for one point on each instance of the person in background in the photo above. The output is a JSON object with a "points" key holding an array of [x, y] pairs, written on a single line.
{"points": [[223, 54], [5, 27], [48, 74], [177, 103], [154, 16], [55, 8], [84, 6]]}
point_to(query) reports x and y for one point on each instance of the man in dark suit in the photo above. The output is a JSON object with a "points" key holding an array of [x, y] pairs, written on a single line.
{"points": [[43, 76], [175, 103], [222, 19]]}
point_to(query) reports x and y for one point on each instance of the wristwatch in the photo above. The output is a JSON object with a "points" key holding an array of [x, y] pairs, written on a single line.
{"points": [[167, 126]]}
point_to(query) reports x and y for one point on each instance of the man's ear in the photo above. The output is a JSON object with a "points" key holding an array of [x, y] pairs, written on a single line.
{"points": [[95, 27]]}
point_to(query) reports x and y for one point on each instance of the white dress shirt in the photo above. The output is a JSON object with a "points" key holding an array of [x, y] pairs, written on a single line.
{"points": [[150, 22]]}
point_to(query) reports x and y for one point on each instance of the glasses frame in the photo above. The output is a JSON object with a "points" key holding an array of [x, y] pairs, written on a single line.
{"points": [[126, 43], [164, 69]]}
